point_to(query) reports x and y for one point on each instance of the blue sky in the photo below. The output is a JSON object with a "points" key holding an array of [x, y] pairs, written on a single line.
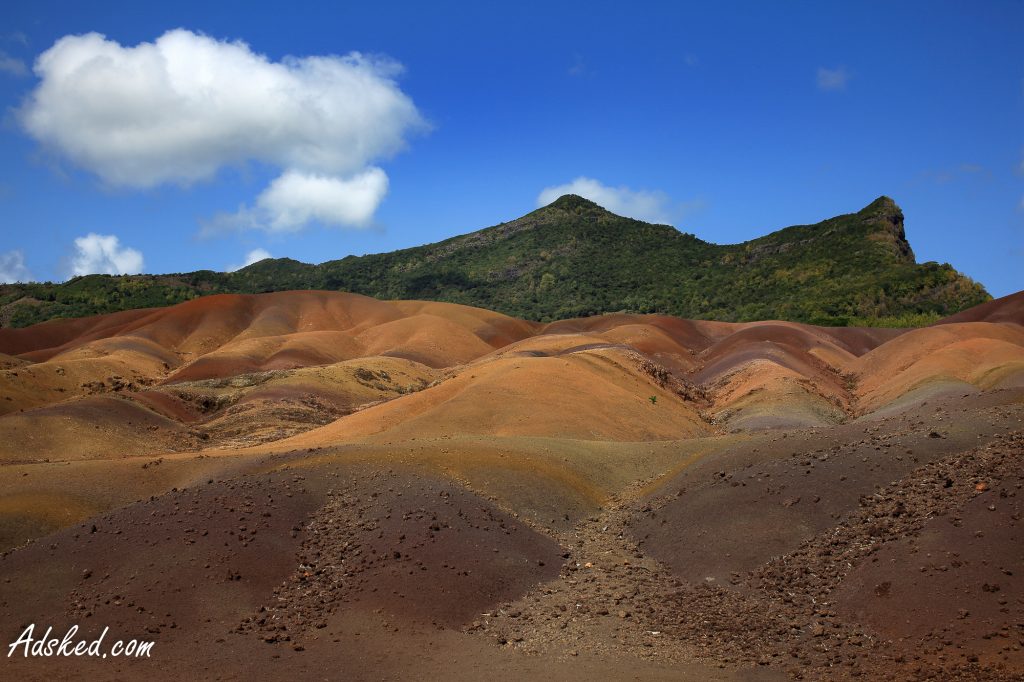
{"points": [[727, 120]]}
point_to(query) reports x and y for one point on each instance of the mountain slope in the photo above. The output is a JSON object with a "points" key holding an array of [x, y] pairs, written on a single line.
{"points": [[573, 258]]}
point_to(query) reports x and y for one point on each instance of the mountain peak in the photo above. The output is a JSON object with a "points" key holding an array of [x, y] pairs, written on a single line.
{"points": [[883, 206], [568, 202], [271, 264], [883, 201], [887, 216]]}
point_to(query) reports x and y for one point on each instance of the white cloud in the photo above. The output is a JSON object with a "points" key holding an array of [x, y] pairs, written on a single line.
{"points": [[11, 65], [254, 256], [832, 79], [180, 108], [296, 198], [653, 207], [103, 254], [12, 268]]}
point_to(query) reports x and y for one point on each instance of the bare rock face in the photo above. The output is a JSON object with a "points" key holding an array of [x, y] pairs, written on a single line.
{"points": [[889, 217]]}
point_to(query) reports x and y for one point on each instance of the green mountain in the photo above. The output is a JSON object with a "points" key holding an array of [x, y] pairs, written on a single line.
{"points": [[573, 258]]}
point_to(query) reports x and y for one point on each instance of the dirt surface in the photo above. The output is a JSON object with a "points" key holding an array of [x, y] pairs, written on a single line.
{"points": [[315, 484]]}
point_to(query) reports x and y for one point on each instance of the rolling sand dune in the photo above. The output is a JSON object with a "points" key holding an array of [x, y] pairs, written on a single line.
{"points": [[222, 336], [587, 395], [93, 427], [773, 375], [429, 339], [319, 484], [81, 374], [1008, 309], [983, 354], [590, 379], [55, 335], [259, 354], [216, 323]]}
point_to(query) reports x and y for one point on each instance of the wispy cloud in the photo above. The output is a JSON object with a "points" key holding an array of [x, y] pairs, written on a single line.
{"points": [[647, 205], [16, 37], [12, 66], [254, 256], [972, 172], [832, 79], [578, 67], [13, 269]]}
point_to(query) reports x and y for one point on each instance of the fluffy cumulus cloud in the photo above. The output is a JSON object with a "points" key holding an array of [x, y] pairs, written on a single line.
{"points": [[254, 256], [652, 207], [12, 268], [295, 198], [103, 254], [184, 106], [832, 79]]}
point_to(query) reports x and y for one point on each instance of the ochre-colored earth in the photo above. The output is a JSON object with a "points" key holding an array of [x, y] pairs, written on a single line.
{"points": [[321, 484]]}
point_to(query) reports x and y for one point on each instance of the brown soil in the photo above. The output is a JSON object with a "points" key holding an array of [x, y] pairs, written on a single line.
{"points": [[317, 484]]}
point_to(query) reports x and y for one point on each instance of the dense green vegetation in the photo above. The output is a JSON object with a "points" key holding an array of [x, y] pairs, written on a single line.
{"points": [[573, 258]]}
